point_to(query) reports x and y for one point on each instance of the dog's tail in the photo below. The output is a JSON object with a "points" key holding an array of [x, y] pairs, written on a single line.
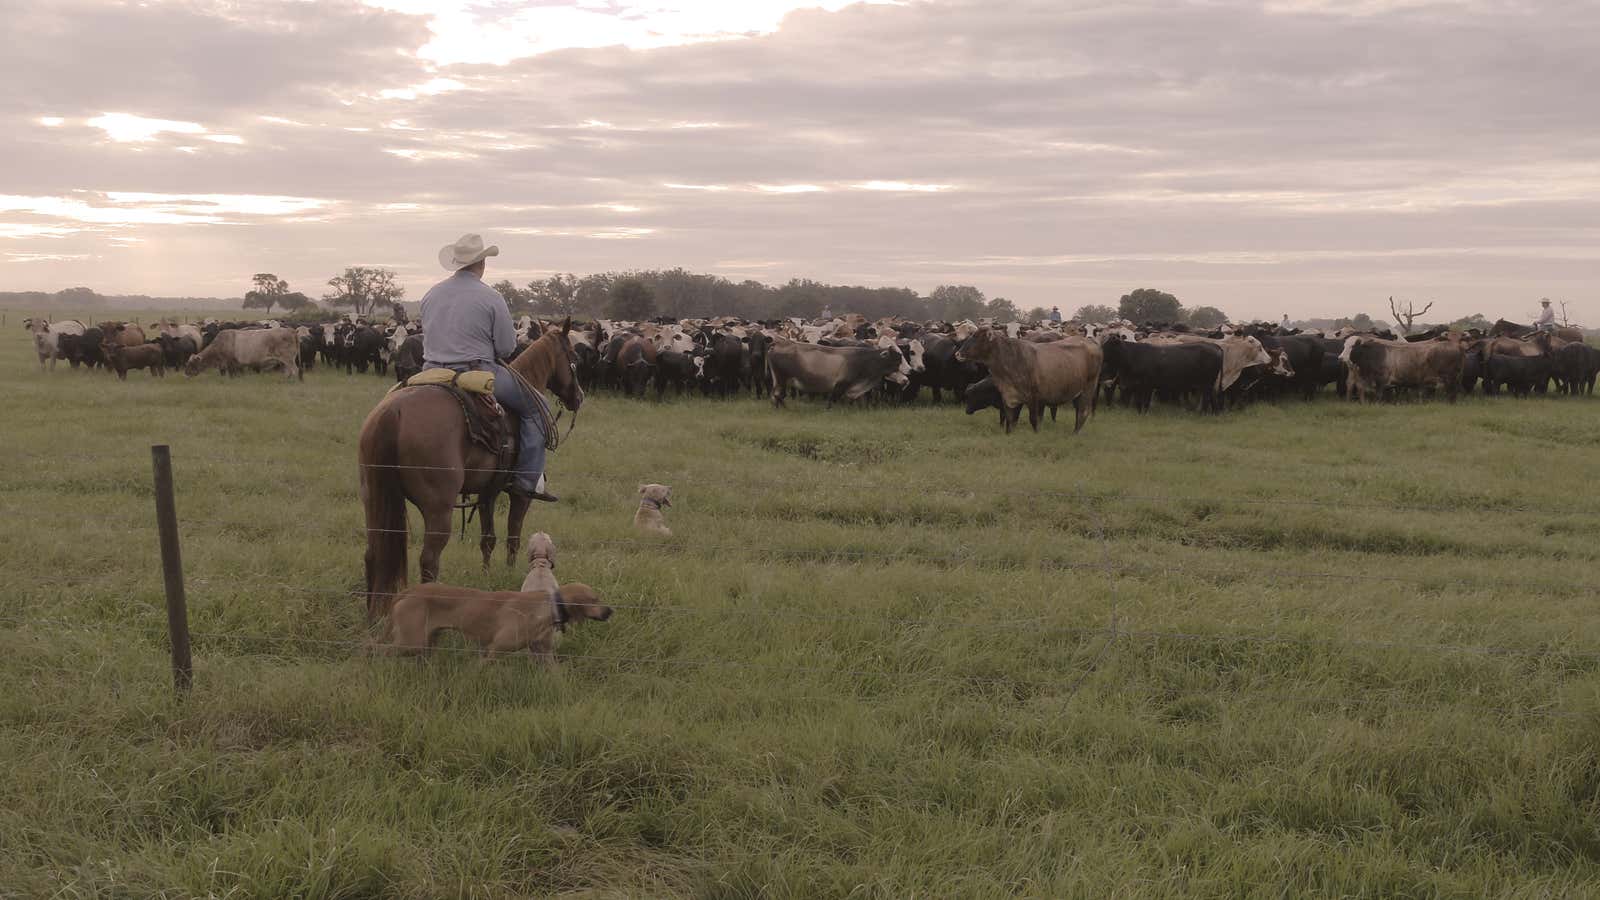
{"points": [[384, 501]]}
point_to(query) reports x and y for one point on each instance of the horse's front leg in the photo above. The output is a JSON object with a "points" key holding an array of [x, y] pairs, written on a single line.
{"points": [[486, 505], [519, 511]]}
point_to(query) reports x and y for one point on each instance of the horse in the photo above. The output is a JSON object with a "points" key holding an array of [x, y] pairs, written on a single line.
{"points": [[414, 447], [1503, 328]]}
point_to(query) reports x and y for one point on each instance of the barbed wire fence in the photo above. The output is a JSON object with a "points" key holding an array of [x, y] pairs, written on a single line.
{"points": [[1097, 644]]}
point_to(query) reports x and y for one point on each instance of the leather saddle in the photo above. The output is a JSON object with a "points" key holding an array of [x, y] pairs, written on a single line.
{"points": [[490, 427]]}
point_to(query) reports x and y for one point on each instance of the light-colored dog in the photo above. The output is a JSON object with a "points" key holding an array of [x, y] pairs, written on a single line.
{"points": [[653, 498], [541, 564], [499, 622]]}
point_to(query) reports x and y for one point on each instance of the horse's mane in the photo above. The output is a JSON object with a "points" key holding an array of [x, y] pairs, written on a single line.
{"points": [[538, 360]]}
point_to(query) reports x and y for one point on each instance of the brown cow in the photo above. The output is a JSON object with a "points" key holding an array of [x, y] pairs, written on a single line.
{"points": [[1064, 371], [1376, 365], [127, 334], [145, 356]]}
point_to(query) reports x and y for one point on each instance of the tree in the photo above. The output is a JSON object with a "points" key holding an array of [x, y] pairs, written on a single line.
{"points": [[556, 296], [294, 300], [632, 300], [1002, 310], [1467, 323], [1150, 305], [268, 292], [1098, 313], [954, 302], [1036, 315], [1207, 317], [517, 300], [363, 287], [800, 298], [594, 291], [1404, 318]]}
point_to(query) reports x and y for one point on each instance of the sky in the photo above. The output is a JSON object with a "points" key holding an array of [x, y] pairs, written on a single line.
{"points": [[1308, 157]]}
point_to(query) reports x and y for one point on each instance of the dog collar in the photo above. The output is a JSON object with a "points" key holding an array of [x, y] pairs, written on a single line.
{"points": [[558, 613], [653, 504]]}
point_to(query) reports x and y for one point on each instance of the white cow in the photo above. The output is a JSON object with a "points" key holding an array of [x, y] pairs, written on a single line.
{"points": [[47, 338]]}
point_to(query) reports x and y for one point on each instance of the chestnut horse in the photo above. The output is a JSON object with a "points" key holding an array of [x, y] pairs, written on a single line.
{"points": [[414, 446]]}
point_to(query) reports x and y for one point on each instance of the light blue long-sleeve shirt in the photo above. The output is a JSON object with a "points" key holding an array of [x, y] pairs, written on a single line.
{"points": [[465, 320]]}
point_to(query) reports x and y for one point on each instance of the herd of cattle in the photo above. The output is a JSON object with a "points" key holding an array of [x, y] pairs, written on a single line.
{"points": [[850, 358], [1049, 364]]}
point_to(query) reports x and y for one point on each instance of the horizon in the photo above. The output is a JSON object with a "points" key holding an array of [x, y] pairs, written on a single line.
{"points": [[1294, 156]]}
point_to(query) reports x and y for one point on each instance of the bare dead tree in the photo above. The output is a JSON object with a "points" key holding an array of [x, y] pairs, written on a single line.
{"points": [[1405, 318]]}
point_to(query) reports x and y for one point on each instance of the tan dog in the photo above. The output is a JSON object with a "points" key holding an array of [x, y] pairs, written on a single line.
{"points": [[498, 622], [653, 498], [541, 564]]}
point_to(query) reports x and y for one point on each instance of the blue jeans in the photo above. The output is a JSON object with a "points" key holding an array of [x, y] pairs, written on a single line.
{"points": [[509, 391]]}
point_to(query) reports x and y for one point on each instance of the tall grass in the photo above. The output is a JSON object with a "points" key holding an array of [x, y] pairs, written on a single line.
{"points": [[1298, 649]]}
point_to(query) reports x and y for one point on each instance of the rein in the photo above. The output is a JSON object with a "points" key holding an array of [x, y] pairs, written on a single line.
{"points": [[552, 435]]}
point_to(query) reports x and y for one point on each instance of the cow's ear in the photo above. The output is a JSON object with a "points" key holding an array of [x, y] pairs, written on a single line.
{"points": [[566, 326]]}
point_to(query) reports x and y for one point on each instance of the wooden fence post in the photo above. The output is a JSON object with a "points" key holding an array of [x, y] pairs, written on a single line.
{"points": [[172, 570]]}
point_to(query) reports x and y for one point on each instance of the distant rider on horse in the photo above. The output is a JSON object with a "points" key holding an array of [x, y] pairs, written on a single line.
{"points": [[467, 327], [1547, 318]]}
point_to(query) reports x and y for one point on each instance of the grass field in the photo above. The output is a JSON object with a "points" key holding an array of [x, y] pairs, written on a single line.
{"points": [[1294, 650]]}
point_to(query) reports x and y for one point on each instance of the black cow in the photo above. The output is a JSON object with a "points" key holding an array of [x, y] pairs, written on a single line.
{"points": [[1577, 366], [587, 359], [676, 368], [941, 370], [1305, 353], [759, 344], [1471, 371], [84, 348], [1176, 370], [726, 360], [176, 349], [608, 374], [327, 343], [1521, 375], [983, 394], [408, 359], [69, 348], [362, 348], [1332, 370]]}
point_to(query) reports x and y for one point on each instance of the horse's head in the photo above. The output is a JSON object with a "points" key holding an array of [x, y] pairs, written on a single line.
{"points": [[563, 379]]}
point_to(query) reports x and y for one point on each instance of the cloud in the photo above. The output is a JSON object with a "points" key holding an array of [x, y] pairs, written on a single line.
{"points": [[1235, 153], [128, 128], [429, 88], [498, 34]]}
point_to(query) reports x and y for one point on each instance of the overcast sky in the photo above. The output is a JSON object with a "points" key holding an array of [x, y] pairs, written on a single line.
{"points": [[1299, 156]]}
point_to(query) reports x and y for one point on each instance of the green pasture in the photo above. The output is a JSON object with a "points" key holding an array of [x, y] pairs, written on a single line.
{"points": [[1294, 650]]}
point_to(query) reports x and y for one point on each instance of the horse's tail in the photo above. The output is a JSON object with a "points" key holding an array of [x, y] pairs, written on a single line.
{"points": [[384, 501]]}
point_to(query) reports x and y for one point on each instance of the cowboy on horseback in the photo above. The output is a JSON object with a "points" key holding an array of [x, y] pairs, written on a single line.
{"points": [[1547, 318], [467, 327]]}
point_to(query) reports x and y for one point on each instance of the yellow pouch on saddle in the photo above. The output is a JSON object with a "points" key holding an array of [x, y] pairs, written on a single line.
{"points": [[471, 382]]}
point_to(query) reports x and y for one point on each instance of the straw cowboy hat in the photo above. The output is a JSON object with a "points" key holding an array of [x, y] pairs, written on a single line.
{"points": [[467, 249]]}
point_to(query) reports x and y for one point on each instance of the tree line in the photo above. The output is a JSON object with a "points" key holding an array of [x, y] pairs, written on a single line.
{"points": [[680, 294]]}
